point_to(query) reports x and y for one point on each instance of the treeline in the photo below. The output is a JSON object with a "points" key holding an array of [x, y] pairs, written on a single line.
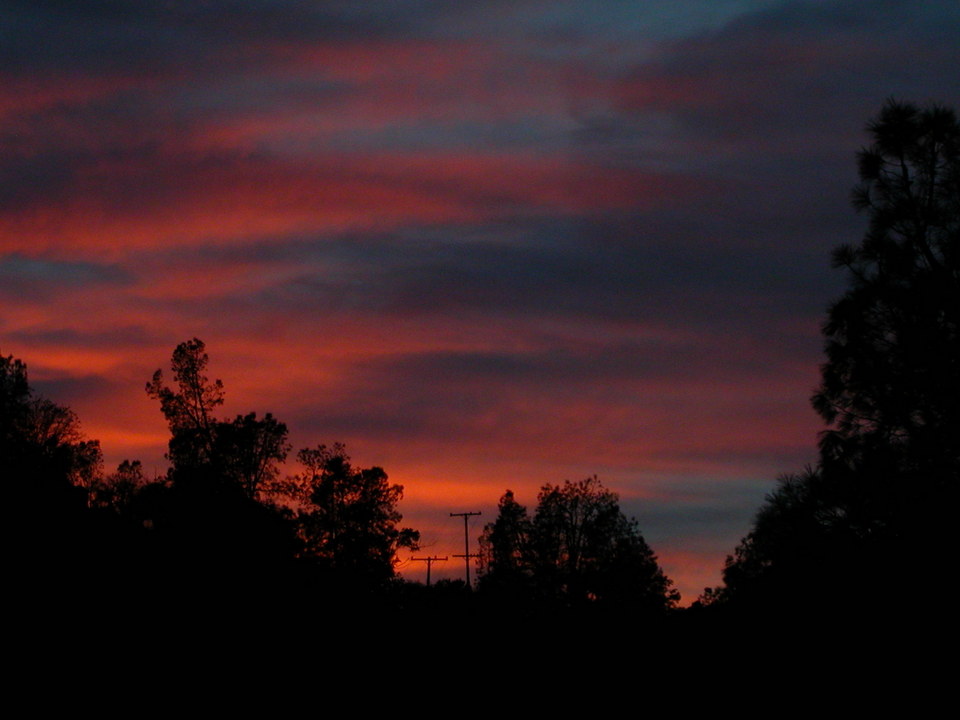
{"points": [[868, 530], [220, 519], [224, 520], [868, 527]]}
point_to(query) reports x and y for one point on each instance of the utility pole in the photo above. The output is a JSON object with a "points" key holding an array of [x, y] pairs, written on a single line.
{"points": [[466, 542], [429, 561]]}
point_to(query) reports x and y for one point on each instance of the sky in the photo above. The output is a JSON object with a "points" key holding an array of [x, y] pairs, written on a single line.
{"points": [[486, 245]]}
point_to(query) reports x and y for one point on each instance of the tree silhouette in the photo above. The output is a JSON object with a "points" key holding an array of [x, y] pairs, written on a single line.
{"points": [[587, 549], [248, 451], [505, 542], [189, 408], [348, 516], [889, 468], [505, 549], [40, 439], [578, 549], [58, 547], [117, 491], [210, 529], [892, 375], [244, 451]]}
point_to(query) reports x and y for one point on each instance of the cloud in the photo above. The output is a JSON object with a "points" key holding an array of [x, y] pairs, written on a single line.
{"points": [[44, 279], [799, 71]]}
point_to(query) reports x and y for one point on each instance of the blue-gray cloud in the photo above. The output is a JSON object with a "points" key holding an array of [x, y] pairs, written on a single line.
{"points": [[27, 278]]}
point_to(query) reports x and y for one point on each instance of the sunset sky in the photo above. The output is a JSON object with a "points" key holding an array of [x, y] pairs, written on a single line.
{"points": [[486, 245]]}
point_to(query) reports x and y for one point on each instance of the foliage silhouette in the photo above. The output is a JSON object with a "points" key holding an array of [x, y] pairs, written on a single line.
{"points": [[60, 547], [347, 516], [889, 465], [244, 451], [117, 491], [42, 440], [505, 548], [579, 549], [249, 450], [210, 527], [189, 409], [892, 375]]}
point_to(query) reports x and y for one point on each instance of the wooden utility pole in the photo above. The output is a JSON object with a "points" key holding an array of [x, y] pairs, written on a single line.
{"points": [[429, 561], [466, 542]]}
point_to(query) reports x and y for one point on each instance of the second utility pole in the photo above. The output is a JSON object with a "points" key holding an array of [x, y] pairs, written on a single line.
{"points": [[466, 542]]}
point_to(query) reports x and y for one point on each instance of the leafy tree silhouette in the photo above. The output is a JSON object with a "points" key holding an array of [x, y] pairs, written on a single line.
{"points": [[878, 499], [42, 440], [59, 547], [892, 375], [249, 451], [579, 549], [189, 409], [347, 516], [505, 547], [117, 491], [212, 530], [244, 451]]}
